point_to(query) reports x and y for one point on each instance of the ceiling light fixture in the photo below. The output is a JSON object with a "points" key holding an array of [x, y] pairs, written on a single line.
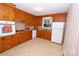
{"points": [[37, 8]]}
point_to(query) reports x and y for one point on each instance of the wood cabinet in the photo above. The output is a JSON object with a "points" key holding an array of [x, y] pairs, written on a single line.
{"points": [[37, 21], [6, 12], [24, 36], [26, 17], [13, 40], [44, 34], [59, 17], [18, 14], [1, 45], [5, 44], [9, 12]]}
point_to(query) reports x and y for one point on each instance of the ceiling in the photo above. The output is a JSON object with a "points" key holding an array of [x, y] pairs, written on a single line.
{"points": [[47, 8]]}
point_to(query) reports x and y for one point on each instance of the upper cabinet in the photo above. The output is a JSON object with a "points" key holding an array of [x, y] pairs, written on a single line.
{"points": [[7, 12], [26, 17], [19, 14], [59, 17], [37, 21]]}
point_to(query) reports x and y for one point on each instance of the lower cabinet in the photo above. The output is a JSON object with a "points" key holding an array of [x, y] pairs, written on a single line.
{"points": [[5, 44], [13, 40], [44, 34], [1, 45]]}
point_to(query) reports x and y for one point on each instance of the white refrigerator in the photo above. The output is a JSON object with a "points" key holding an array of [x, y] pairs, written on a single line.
{"points": [[57, 32]]}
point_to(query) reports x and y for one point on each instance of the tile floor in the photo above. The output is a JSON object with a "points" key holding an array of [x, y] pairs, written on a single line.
{"points": [[35, 47]]}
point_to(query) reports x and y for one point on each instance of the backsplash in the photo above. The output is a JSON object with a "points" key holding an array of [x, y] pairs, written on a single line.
{"points": [[20, 26]]}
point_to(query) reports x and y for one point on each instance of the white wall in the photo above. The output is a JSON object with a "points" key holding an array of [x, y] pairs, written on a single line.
{"points": [[71, 42]]}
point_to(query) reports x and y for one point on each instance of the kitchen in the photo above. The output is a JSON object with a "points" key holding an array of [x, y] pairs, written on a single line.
{"points": [[27, 26], [19, 26]]}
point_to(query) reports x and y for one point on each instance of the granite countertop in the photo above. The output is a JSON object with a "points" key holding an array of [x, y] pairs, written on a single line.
{"points": [[45, 29], [48, 29]]}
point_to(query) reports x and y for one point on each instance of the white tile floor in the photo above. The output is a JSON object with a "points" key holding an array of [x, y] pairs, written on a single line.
{"points": [[35, 47]]}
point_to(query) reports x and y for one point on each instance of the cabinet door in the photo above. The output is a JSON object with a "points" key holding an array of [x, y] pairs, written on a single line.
{"points": [[6, 12], [25, 36], [7, 43], [38, 33], [37, 21], [21, 38], [29, 35], [10, 13], [41, 33], [44, 34], [2, 12], [48, 35], [4, 44], [13, 40], [17, 38], [0, 45]]}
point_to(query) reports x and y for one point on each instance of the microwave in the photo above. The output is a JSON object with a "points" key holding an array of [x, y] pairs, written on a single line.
{"points": [[7, 28]]}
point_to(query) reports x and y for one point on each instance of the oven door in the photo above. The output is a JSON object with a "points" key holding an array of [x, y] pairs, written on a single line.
{"points": [[7, 29]]}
